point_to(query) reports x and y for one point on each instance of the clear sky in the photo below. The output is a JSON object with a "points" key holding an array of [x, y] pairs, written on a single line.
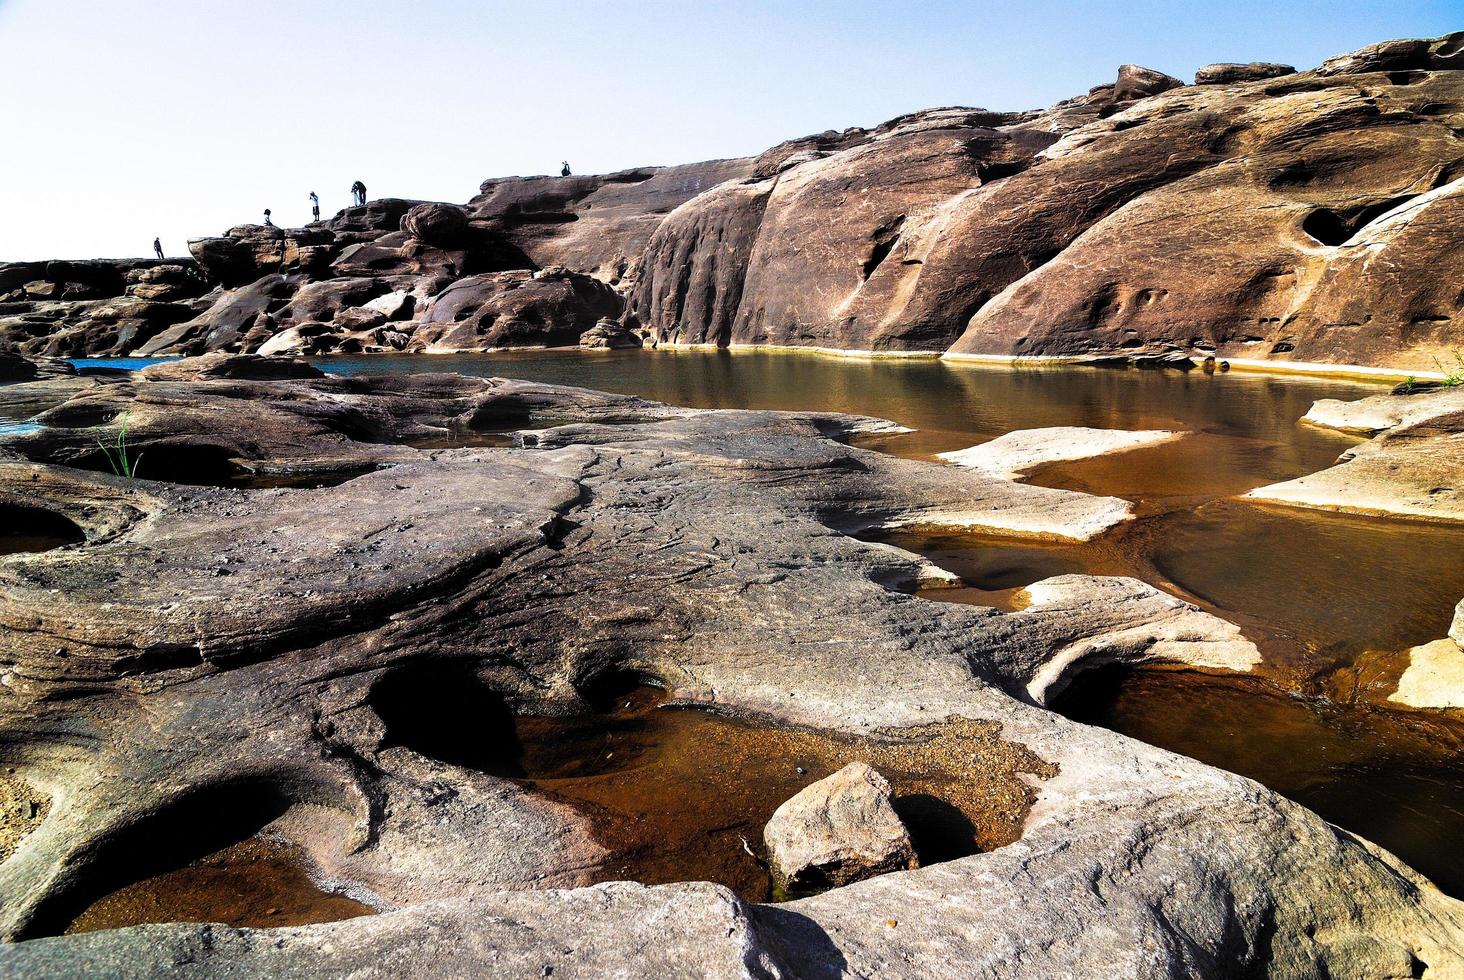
{"points": [[125, 119]]}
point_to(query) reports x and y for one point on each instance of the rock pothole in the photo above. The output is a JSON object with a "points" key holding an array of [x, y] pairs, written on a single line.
{"points": [[204, 858], [31, 529], [674, 792]]}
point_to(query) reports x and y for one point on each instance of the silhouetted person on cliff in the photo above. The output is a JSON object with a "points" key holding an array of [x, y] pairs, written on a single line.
{"points": [[268, 221], [158, 247], [314, 206], [358, 192], [564, 170]]}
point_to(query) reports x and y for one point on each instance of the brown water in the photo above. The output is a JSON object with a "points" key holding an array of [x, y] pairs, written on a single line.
{"points": [[257, 883], [677, 794], [1329, 598]]}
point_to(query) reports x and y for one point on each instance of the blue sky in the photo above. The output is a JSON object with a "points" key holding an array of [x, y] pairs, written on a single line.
{"points": [[126, 119]]}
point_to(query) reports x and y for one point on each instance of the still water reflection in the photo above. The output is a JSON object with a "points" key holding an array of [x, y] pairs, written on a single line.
{"points": [[1317, 591]]}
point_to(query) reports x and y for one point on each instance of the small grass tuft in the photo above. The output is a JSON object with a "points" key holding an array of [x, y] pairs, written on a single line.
{"points": [[119, 456], [1453, 376]]}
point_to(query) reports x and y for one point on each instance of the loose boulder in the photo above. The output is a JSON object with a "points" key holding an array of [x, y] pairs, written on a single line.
{"points": [[609, 334], [1138, 82], [443, 225], [841, 829]]}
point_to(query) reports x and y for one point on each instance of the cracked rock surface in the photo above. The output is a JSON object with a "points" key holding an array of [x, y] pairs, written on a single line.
{"points": [[210, 649]]}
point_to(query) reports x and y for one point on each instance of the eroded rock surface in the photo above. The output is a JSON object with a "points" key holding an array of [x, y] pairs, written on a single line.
{"points": [[1412, 467], [1259, 215], [148, 685]]}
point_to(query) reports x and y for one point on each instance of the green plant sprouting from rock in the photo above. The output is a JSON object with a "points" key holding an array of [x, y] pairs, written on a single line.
{"points": [[1453, 377], [118, 455]]}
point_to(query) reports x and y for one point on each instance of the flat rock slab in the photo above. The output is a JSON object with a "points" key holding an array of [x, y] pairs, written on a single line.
{"points": [[1405, 475], [1380, 413], [1018, 454], [1413, 467]]}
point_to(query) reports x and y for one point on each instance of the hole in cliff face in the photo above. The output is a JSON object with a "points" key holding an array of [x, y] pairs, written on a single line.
{"points": [[25, 529], [1333, 228], [1407, 77], [678, 793], [877, 254], [200, 859]]}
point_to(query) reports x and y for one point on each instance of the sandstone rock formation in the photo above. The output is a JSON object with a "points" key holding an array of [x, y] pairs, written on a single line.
{"points": [[1258, 215], [1020, 453], [1413, 466], [1434, 675], [216, 656], [549, 308], [608, 334], [838, 830], [1229, 74]]}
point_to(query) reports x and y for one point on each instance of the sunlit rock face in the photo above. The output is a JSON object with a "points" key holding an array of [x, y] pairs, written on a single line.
{"points": [[1260, 214], [1242, 219]]}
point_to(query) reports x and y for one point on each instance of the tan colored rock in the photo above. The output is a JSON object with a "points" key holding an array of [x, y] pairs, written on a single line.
{"points": [[1018, 454], [1414, 467], [1096, 621], [1434, 677], [841, 829], [1369, 416]]}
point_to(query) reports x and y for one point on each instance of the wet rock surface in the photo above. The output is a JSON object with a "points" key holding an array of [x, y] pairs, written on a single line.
{"points": [[224, 658]]}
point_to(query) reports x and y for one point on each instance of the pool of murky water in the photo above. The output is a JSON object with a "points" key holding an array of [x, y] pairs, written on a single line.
{"points": [[680, 792]]}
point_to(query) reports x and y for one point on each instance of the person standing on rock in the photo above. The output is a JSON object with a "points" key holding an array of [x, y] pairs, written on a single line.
{"points": [[158, 247], [564, 169], [268, 221], [358, 193], [314, 206]]}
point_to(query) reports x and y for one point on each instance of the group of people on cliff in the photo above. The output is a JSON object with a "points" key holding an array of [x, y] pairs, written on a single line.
{"points": [[358, 199]]}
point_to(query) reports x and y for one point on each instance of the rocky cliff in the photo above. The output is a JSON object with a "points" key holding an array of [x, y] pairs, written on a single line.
{"points": [[1259, 213]]}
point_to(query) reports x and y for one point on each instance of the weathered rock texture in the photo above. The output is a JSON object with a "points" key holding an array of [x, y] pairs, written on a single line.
{"points": [[1022, 452], [839, 830], [1434, 676], [1260, 214], [208, 653], [1412, 467]]}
